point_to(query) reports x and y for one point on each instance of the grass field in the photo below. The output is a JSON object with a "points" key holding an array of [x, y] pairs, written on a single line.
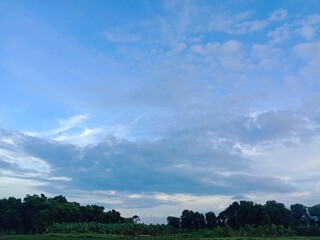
{"points": [[119, 237]]}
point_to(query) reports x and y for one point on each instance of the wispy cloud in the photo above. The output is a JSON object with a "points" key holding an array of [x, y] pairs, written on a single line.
{"points": [[117, 35], [73, 130], [243, 23], [280, 34], [278, 14]]}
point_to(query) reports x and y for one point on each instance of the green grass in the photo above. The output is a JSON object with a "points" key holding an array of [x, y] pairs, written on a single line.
{"points": [[119, 237]]}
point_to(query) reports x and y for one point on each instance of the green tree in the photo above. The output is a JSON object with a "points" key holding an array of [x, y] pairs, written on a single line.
{"points": [[37, 213], [278, 213], [299, 211], [135, 219], [186, 219], [10, 212], [238, 215], [92, 213], [173, 222], [59, 199], [68, 212], [230, 216], [211, 220], [113, 216], [198, 221], [314, 213], [300, 215]]}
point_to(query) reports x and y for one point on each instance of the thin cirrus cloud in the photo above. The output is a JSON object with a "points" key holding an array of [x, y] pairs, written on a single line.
{"points": [[114, 35]]}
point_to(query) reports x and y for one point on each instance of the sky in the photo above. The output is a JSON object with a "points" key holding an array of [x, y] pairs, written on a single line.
{"points": [[153, 107]]}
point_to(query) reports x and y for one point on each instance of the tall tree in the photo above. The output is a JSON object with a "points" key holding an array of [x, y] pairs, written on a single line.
{"points": [[300, 215], [244, 213], [314, 213], [198, 221], [211, 220], [113, 216], [278, 213], [10, 214], [186, 219], [173, 222]]}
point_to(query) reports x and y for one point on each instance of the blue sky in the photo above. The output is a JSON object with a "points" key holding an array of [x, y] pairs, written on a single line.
{"points": [[152, 107]]}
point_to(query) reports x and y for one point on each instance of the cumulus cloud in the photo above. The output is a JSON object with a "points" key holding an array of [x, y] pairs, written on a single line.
{"points": [[307, 50], [267, 55], [280, 34], [202, 156], [308, 71], [229, 55], [308, 32]]}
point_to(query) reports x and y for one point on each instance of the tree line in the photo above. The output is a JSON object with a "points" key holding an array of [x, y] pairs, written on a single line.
{"points": [[303, 220], [35, 213]]}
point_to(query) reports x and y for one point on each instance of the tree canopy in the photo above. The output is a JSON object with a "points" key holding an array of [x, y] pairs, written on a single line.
{"points": [[35, 213]]}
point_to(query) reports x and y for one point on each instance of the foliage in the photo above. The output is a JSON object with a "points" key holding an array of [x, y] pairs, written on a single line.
{"points": [[244, 213], [211, 220], [118, 237], [192, 220], [35, 213], [279, 214], [39, 214], [130, 229], [174, 222]]}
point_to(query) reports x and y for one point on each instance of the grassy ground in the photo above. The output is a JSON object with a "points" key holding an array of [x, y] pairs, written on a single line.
{"points": [[117, 237]]}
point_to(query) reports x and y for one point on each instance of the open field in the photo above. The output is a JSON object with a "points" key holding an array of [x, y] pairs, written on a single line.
{"points": [[119, 237]]}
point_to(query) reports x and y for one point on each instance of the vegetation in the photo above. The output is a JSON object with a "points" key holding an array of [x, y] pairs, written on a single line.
{"points": [[271, 219], [55, 216], [36, 213], [120, 237]]}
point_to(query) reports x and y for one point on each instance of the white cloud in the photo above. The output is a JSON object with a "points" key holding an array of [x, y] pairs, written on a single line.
{"points": [[119, 36], [228, 55], [59, 179], [19, 188], [267, 55], [24, 161], [7, 140], [299, 165], [178, 203], [250, 26], [309, 70], [308, 51], [73, 130], [85, 137], [228, 24], [308, 32], [280, 34], [70, 123], [313, 19], [279, 14], [152, 207], [241, 23]]}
